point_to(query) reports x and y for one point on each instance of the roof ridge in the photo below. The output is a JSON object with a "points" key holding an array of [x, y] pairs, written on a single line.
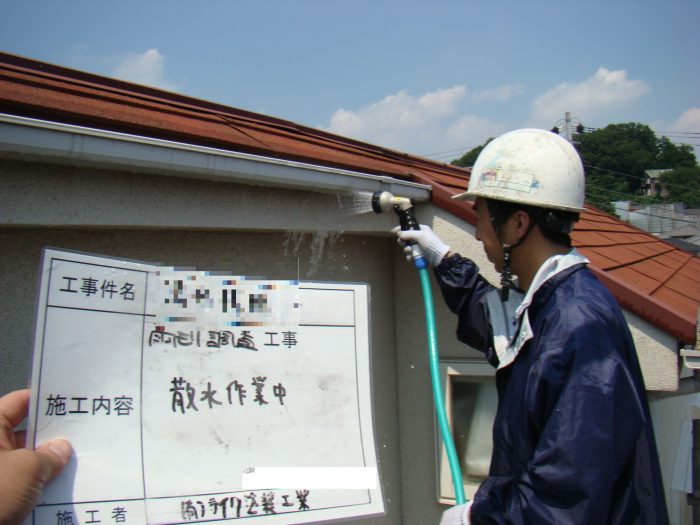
{"points": [[228, 122], [630, 243], [141, 94], [106, 93], [636, 261], [133, 90], [346, 142], [674, 272]]}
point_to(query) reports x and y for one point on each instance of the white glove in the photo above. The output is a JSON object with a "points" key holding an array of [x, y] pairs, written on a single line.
{"points": [[457, 515], [433, 248]]}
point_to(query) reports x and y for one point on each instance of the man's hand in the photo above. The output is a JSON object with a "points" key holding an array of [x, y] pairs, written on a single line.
{"points": [[433, 248], [457, 515], [24, 472]]}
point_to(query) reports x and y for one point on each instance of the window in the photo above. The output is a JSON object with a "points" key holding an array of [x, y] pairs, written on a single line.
{"points": [[470, 400]]}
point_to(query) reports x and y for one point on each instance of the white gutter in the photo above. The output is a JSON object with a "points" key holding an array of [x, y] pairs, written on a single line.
{"points": [[31, 139]]}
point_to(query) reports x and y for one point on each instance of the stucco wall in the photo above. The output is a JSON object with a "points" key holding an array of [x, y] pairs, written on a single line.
{"points": [[669, 415], [214, 226], [36, 194]]}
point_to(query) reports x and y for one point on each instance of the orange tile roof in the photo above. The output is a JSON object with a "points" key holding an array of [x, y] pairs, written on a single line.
{"points": [[653, 279]]}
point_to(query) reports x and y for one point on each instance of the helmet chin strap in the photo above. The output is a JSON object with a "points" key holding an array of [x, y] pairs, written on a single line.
{"points": [[507, 271]]}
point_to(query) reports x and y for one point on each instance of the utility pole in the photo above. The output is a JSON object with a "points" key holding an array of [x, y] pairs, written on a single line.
{"points": [[567, 126]]}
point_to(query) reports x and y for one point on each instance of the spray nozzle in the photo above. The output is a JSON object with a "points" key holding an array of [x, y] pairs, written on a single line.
{"points": [[384, 201]]}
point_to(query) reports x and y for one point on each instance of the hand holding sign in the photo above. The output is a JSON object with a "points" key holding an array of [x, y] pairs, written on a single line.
{"points": [[24, 472]]}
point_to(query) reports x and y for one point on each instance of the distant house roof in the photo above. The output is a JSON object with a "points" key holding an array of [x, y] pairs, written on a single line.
{"points": [[685, 245], [684, 231], [650, 277], [655, 174]]}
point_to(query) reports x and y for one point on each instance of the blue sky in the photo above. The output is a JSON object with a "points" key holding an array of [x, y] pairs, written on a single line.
{"points": [[424, 77]]}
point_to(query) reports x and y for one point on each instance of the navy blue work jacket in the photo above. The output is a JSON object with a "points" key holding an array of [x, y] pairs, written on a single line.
{"points": [[572, 437]]}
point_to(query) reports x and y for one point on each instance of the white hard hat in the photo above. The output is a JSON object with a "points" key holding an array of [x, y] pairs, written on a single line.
{"points": [[529, 166]]}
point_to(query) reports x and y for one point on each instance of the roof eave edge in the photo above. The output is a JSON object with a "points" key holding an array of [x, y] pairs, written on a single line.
{"points": [[51, 141], [663, 316]]}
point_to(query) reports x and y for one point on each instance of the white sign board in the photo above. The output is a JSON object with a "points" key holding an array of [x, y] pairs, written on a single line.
{"points": [[193, 397]]}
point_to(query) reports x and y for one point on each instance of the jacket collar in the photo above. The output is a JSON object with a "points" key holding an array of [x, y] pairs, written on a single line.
{"points": [[510, 321], [543, 278]]}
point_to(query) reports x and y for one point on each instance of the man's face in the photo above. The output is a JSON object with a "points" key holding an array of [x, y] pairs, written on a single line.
{"points": [[486, 234]]}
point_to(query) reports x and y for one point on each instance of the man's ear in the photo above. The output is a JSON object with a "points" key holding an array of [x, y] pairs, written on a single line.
{"points": [[520, 221]]}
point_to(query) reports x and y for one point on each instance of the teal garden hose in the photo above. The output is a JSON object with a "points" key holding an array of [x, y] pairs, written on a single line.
{"points": [[437, 386], [383, 201]]}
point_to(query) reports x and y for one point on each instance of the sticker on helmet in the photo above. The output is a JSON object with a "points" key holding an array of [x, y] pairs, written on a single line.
{"points": [[521, 182]]}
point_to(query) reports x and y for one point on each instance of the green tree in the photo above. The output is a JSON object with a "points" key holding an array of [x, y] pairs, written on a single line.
{"points": [[616, 158], [622, 148], [683, 185], [670, 155]]}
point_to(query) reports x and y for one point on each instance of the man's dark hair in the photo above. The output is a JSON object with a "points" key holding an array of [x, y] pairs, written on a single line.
{"points": [[555, 225]]}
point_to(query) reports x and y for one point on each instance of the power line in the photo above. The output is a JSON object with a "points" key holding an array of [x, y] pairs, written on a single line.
{"points": [[601, 201], [645, 214], [630, 197], [615, 172], [659, 134], [691, 135], [612, 191], [664, 133], [636, 177], [467, 149], [444, 158], [678, 132]]}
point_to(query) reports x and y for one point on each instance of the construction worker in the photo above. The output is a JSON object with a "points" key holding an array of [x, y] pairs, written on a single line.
{"points": [[572, 436]]}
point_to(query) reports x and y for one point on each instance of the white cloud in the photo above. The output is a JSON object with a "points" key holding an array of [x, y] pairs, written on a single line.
{"points": [[442, 101], [604, 91], [689, 121], [500, 94], [147, 68], [471, 130], [425, 124]]}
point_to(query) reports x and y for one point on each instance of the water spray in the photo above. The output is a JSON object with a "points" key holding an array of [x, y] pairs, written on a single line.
{"points": [[383, 201]]}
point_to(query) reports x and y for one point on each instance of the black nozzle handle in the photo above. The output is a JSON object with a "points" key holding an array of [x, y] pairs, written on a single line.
{"points": [[407, 220]]}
